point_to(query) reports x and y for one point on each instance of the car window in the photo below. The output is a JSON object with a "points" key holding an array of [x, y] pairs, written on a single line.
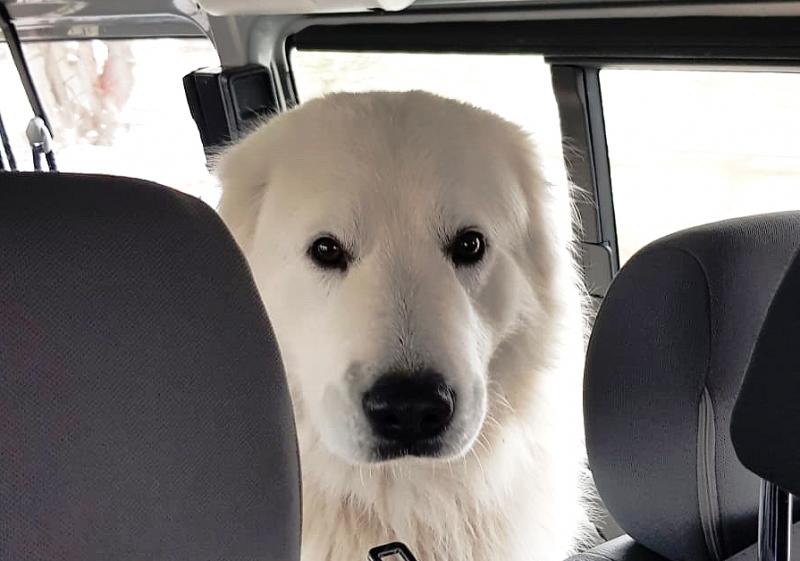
{"points": [[688, 147], [517, 87], [14, 108], [116, 107]]}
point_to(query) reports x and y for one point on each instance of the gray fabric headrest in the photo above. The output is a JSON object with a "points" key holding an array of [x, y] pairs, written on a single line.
{"points": [[144, 412], [666, 358], [767, 413]]}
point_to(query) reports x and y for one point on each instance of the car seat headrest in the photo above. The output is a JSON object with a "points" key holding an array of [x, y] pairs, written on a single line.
{"points": [[144, 412], [767, 411], [665, 361]]}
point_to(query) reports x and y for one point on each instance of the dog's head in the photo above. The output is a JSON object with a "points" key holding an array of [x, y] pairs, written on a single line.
{"points": [[398, 241]]}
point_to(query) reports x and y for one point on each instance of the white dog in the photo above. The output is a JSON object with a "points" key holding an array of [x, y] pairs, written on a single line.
{"points": [[418, 274]]}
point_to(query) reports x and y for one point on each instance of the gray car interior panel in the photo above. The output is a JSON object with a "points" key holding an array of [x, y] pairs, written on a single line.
{"points": [[144, 412], [667, 355]]}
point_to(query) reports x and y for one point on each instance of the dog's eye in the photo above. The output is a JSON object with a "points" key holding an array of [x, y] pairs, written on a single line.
{"points": [[327, 252], [467, 248]]}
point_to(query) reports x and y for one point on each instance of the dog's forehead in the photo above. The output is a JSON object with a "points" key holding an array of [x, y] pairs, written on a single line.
{"points": [[401, 154]]}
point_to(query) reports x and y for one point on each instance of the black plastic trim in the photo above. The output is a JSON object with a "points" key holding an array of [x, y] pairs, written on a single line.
{"points": [[227, 102], [691, 39], [580, 108]]}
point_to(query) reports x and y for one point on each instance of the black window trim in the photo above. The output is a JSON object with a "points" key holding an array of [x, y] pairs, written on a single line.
{"points": [[733, 40]]}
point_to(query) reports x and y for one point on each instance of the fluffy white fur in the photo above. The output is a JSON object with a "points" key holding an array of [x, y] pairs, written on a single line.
{"points": [[393, 176]]}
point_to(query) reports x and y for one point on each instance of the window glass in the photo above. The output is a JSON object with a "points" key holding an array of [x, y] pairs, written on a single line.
{"points": [[690, 147], [116, 107], [517, 87], [14, 108]]}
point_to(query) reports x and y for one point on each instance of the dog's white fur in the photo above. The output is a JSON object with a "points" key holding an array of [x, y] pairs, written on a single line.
{"points": [[394, 175]]}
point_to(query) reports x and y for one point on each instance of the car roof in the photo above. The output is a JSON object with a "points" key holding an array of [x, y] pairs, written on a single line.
{"points": [[184, 17]]}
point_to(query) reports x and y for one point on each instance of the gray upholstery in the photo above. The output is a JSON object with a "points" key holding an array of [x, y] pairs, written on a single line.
{"points": [[144, 413], [767, 413], [666, 358], [622, 548]]}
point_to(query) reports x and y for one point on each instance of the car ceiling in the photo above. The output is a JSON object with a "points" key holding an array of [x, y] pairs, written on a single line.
{"points": [[234, 25], [45, 11]]}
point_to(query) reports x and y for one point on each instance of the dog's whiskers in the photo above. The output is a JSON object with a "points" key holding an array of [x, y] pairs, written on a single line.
{"points": [[491, 420], [502, 400], [483, 442], [480, 465]]}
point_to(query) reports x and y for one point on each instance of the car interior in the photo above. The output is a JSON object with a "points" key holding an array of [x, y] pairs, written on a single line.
{"points": [[144, 409]]}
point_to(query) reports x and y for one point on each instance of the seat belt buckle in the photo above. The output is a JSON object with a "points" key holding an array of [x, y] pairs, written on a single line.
{"points": [[395, 551]]}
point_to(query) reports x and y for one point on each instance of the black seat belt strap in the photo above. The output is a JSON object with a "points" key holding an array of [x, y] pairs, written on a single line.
{"points": [[40, 144], [12, 162]]}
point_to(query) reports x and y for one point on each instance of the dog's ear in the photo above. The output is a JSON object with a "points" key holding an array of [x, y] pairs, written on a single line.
{"points": [[550, 248], [243, 173]]}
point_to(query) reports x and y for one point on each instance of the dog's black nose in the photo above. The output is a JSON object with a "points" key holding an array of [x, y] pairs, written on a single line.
{"points": [[408, 408]]}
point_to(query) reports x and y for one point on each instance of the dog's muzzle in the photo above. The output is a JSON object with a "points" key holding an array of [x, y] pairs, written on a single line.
{"points": [[409, 413]]}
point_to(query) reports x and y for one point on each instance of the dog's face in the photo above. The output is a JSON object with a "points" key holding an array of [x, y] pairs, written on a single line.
{"points": [[389, 235]]}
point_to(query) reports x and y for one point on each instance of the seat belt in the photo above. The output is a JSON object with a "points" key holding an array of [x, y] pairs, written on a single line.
{"points": [[395, 551], [39, 131], [40, 142], [12, 162]]}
